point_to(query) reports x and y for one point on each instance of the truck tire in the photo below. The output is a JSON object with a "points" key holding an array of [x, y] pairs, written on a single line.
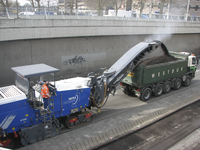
{"points": [[167, 87], [158, 90], [177, 84], [187, 81], [146, 94]]}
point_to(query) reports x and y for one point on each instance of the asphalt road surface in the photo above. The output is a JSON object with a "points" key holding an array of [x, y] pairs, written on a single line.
{"points": [[162, 134]]}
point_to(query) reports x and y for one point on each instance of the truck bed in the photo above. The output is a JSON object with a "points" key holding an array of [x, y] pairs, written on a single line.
{"points": [[163, 71], [159, 59], [155, 70]]}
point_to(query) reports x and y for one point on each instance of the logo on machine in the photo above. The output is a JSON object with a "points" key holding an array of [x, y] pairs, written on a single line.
{"points": [[73, 100], [119, 78]]}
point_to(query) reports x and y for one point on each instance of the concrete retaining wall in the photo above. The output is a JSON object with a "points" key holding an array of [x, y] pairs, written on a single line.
{"points": [[78, 56], [20, 29]]}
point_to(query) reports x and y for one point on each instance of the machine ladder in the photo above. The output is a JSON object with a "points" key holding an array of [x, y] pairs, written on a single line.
{"points": [[47, 125], [47, 119]]}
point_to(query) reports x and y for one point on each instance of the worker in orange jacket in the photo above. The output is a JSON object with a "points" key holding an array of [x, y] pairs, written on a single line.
{"points": [[45, 94], [45, 90]]}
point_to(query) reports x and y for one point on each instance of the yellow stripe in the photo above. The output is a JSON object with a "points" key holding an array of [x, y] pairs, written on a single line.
{"points": [[131, 74]]}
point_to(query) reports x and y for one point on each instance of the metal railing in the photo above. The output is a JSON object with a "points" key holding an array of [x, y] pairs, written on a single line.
{"points": [[55, 13]]}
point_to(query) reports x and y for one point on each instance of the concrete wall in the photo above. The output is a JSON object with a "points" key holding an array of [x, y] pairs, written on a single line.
{"points": [[20, 29], [77, 56]]}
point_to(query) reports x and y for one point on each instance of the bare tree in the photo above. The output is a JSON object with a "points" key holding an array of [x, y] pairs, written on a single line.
{"points": [[140, 5], [48, 4], [38, 3], [96, 5], [165, 3], [162, 3], [117, 4], [69, 4], [76, 4], [32, 3], [15, 4], [6, 4]]}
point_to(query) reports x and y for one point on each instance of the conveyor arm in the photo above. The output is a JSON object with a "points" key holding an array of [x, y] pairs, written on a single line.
{"points": [[105, 84]]}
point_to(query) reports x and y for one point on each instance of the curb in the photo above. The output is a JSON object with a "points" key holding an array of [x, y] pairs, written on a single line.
{"points": [[135, 125]]}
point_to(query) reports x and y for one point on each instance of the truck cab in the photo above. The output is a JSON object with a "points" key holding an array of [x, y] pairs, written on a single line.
{"points": [[193, 61]]}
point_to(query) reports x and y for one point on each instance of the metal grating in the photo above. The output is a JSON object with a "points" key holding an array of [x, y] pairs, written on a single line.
{"points": [[10, 91]]}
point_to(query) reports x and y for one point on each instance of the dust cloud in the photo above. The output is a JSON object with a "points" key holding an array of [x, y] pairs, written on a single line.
{"points": [[162, 34]]}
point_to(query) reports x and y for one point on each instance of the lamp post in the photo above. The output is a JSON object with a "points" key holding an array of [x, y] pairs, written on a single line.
{"points": [[17, 8], [168, 9], [187, 10], [150, 9]]}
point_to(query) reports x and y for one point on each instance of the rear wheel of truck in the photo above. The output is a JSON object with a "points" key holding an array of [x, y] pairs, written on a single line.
{"points": [[167, 87], [146, 94], [187, 81], [158, 90], [177, 84]]}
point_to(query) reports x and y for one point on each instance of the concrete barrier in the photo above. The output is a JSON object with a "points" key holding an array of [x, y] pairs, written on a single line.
{"points": [[20, 29]]}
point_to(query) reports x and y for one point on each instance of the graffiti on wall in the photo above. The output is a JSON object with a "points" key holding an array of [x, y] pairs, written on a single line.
{"points": [[76, 60], [81, 62]]}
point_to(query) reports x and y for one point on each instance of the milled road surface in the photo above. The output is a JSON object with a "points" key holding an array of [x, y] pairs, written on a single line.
{"points": [[164, 133]]}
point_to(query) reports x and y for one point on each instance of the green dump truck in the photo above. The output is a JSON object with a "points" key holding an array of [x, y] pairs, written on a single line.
{"points": [[159, 74]]}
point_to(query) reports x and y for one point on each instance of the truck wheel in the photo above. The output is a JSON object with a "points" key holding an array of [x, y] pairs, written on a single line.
{"points": [[158, 90], [167, 87], [187, 81], [146, 94], [177, 84]]}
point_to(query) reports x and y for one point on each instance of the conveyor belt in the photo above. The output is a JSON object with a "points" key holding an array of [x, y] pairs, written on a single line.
{"points": [[119, 70], [130, 59]]}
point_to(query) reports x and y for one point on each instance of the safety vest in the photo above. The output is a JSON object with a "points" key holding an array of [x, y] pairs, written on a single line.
{"points": [[45, 91]]}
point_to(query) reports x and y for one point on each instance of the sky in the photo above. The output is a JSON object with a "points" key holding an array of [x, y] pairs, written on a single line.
{"points": [[43, 2], [22, 2]]}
